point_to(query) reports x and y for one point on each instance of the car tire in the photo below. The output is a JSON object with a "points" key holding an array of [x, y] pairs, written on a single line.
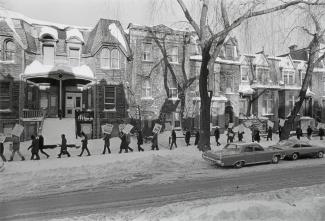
{"points": [[294, 156], [275, 159], [239, 164], [320, 154]]}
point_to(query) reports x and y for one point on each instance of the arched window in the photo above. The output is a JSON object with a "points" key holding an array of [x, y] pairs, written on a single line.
{"points": [[105, 58], [115, 59], [10, 49]]}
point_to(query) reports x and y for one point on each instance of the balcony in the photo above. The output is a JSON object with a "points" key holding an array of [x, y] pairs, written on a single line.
{"points": [[33, 115]]}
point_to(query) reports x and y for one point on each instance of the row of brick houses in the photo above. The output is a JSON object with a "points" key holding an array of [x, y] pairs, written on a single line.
{"points": [[106, 74]]}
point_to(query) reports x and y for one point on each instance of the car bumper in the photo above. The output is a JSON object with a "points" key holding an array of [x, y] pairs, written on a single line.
{"points": [[213, 161]]}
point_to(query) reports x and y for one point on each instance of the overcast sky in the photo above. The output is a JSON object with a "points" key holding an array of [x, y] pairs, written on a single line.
{"points": [[268, 32]]}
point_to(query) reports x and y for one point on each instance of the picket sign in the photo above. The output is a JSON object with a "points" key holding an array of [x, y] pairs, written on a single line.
{"points": [[157, 128], [320, 125], [248, 123], [230, 125], [127, 129], [281, 123], [107, 128], [17, 130], [121, 126], [2, 138]]}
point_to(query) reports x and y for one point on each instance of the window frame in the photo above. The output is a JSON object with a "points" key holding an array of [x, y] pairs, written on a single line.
{"points": [[269, 101], [172, 56], [43, 54], [147, 54], [241, 73], [108, 58], [171, 92], [262, 78], [8, 97], [146, 89], [71, 58], [292, 102], [106, 87], [288, 73], [7, 51], [117, 59]]}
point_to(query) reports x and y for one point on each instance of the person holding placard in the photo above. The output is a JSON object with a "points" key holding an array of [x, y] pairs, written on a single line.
{"points": [[187, 137], [309, 132], [197, 137], [240, 135], [257, 136], [123, 145], [155, 142], [41, 145], [230, 135], [128, 141], [15, 148], [106, 139]]}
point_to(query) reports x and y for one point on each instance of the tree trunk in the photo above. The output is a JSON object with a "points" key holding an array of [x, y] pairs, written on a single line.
{"points": [[204, 142], [182, 100], [314, 45]]}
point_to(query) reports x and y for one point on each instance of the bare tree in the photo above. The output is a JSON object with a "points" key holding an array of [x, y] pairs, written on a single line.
{"points": [[212, 41], [315, 56], [182, 81]]}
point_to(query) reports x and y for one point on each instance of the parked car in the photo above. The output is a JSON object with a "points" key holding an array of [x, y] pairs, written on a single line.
{"points": [[240, 154], [295, 149]]}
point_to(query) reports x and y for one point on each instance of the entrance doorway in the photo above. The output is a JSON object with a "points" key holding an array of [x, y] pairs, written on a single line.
{"points": [[73, 102]]}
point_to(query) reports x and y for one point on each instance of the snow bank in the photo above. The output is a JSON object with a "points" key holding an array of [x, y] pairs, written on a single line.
{"points": [[294, 204]]}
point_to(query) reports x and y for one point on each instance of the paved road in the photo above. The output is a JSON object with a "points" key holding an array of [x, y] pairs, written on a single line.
{"points": [[110, 200]]}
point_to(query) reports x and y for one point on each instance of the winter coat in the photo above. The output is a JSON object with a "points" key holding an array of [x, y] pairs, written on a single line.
{"points": [[64, 144], [309, 131], [35, 146], [299, 132], [321, 132], [197, 138], [106, 139], [173, 136], [123, 142], [140, 138], [187, 136], [15, 143], [217, 133], [155, 140], [40, 142], [269, 132], [84, 142], [257, 135]]}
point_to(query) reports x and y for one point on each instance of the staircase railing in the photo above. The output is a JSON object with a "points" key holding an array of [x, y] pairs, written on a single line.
{"points": [[28, 113]]}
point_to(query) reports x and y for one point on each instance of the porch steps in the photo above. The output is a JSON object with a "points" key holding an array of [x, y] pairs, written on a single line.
{"points": [[54, 127]]}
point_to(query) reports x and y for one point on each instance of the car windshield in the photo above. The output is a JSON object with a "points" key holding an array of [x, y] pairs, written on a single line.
{"points": [[232, 147]]}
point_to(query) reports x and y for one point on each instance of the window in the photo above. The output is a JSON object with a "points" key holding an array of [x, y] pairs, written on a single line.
{"points": [[10, 50], [249, 149], [229, 51], [4, 95], [115, 59], [243, 106], [74, 56], [173, 54], [147, 51], [302, 77], [244, 74], [229, 81], [258, 148], [267, 105], [263, 75], [146, 89], [48, 54], [288, 77], [173, 93], [291, 102], [109, 100], [105, 58]]}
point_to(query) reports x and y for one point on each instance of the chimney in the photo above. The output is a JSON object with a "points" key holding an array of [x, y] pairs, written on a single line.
{"points": [[293, 48]]}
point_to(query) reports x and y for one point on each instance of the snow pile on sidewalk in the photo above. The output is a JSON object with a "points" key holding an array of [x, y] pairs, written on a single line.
{"points": [[294, 204]]}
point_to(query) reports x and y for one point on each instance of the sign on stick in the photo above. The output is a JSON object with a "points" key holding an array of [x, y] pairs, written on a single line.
{"points": [[121, 126], [127, 128], [107, 128], [2, 138], [270, 124], [18, 129], [281, 123], [157, 128]]}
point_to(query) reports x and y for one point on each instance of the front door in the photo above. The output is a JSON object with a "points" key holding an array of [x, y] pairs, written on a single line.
{"points": [[73, 102]]}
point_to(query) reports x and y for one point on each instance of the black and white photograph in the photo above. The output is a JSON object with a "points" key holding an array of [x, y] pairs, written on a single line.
{"points": [[162, 110]]}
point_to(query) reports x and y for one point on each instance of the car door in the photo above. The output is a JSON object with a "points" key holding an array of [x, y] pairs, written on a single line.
{"points": [[248, 154], [307, 149], [261, 155]]}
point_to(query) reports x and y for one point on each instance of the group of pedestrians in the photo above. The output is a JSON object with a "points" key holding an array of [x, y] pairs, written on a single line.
{"points": [[187, 137]]}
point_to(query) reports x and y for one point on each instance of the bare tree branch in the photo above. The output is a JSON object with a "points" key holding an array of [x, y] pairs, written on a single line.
{"points": [[189, 17]]}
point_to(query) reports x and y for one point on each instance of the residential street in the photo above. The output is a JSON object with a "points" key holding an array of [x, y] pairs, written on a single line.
{"points": [[105, 199]]}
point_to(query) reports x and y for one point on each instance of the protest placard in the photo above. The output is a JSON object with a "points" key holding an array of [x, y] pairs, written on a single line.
{"points": [[157, 128], [230, 125], [240, 128], [127, 128], [320, 125], [86, 128], [270, 124], [17, 130], [281, 123], [107, 128], [121, 126], [2, 138]]}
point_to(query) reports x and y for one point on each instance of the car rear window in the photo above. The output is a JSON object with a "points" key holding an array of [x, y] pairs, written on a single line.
{"points": [[233, 147]]}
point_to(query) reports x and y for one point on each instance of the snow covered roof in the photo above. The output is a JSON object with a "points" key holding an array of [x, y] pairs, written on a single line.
{"points": [[48, 31], [15, 15], [37, 69], [219, 60], [286, 63], [116, 32], [74, 33], [10, 24], [245, 89]]}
